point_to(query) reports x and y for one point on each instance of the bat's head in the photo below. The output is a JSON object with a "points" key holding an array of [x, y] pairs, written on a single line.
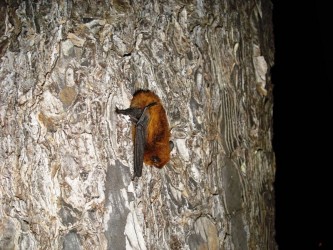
{"points": [[157, 157]]}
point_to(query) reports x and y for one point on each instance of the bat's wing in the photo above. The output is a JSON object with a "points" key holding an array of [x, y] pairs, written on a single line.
{"points": [[140, 140], [139, 146]]}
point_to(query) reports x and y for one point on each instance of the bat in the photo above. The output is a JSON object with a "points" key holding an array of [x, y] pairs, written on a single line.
{"points": [[150, 130]]}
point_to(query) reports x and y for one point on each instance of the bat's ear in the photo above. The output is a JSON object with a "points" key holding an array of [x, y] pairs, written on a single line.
{"points": [[171, 145]]}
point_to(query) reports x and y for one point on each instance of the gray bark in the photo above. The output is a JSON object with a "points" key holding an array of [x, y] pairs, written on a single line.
{"points": [[66, 158]]}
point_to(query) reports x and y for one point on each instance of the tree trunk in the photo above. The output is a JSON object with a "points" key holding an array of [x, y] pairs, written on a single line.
{"points": [[67, 157]]}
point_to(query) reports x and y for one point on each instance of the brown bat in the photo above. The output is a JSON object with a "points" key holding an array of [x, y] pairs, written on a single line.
{"points": [[150, 130]]}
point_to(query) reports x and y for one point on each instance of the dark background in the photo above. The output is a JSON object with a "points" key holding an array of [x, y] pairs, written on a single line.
{"points": [[302, 128]]}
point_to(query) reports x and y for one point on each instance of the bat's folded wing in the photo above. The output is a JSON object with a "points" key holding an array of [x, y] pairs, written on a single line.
{"points": [[139, 146]]}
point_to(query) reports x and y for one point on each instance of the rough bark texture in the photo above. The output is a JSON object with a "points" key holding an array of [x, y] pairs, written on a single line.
{"points": [[66, 157]]}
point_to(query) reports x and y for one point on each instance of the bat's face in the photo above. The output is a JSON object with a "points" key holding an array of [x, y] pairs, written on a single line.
{"points": [[158, 156]]}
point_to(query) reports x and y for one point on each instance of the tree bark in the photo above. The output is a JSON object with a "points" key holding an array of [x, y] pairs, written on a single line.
{"points": [[67, 157]]}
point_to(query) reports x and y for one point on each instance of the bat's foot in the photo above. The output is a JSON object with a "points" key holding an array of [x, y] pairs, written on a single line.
{"points": [[118, 111]]}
